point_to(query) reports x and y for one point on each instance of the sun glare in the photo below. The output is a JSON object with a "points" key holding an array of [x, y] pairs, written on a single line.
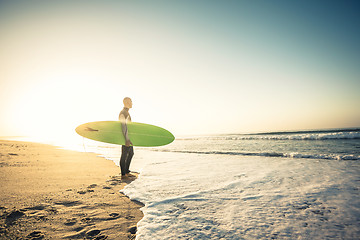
{"points": [[62, 67]]}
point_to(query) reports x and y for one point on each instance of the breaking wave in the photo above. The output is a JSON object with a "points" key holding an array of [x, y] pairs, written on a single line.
{"points": [[318, 135], [313, 136], [274, 154]]}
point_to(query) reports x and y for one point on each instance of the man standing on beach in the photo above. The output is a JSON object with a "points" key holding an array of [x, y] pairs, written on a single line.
{"points": [[127, 150]]}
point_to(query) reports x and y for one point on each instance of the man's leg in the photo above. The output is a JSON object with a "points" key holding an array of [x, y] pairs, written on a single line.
{"points": [[124, 156], [129, 158]]}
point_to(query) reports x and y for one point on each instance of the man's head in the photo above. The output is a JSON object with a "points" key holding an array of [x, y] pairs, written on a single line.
{"points": [[127, 102]]}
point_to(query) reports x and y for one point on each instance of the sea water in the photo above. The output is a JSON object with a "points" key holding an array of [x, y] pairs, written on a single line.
{"points": [[288, 185]]}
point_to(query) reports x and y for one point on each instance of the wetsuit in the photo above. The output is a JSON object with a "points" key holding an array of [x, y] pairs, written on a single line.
{"points": [[126, 152]]}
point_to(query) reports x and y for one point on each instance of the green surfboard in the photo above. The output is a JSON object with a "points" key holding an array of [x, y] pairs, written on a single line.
{"points": [[140, 134]]}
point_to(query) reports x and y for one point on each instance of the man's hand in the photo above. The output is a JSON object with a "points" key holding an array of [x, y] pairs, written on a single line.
{"points": [[128, 143]]}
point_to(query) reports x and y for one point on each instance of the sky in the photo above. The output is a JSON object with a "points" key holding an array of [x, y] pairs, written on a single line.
{"points": [[192, 67]]}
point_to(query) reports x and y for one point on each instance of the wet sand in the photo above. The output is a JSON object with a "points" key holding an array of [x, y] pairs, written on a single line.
{"points": [[50, 193]]}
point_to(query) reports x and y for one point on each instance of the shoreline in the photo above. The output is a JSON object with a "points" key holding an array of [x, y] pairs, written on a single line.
{"points": [[52, 193]]}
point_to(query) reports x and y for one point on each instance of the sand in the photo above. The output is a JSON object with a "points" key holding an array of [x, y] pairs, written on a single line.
{"points": [[50, 193]]}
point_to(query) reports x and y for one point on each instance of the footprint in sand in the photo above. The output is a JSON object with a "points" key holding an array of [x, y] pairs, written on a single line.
{"points": [[70, 222], [78, 229], [38, 207], [68, 203], [94, 234], [132, 230], [114, 183], [86, 220], [114, 215], [39, 212], [85, 191], [13, 216], [35, 235], [90, 187], [115, 180]]}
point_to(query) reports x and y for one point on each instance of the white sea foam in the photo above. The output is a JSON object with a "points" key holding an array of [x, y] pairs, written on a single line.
{"points": [[275, 154], [197, 196], [299, 136]]}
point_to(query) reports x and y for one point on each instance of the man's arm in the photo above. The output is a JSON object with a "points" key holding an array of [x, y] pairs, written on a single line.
{"points": [[124, 129]]}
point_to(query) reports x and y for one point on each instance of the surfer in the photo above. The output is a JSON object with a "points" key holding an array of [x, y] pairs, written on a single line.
{"points": [[127, 150]]}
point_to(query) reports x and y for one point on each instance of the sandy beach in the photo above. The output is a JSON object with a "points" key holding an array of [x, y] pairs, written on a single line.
{"points": [[50, 193]]}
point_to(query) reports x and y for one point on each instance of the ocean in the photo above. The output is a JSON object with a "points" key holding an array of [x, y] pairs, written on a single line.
{"points": [[282, 185]]}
